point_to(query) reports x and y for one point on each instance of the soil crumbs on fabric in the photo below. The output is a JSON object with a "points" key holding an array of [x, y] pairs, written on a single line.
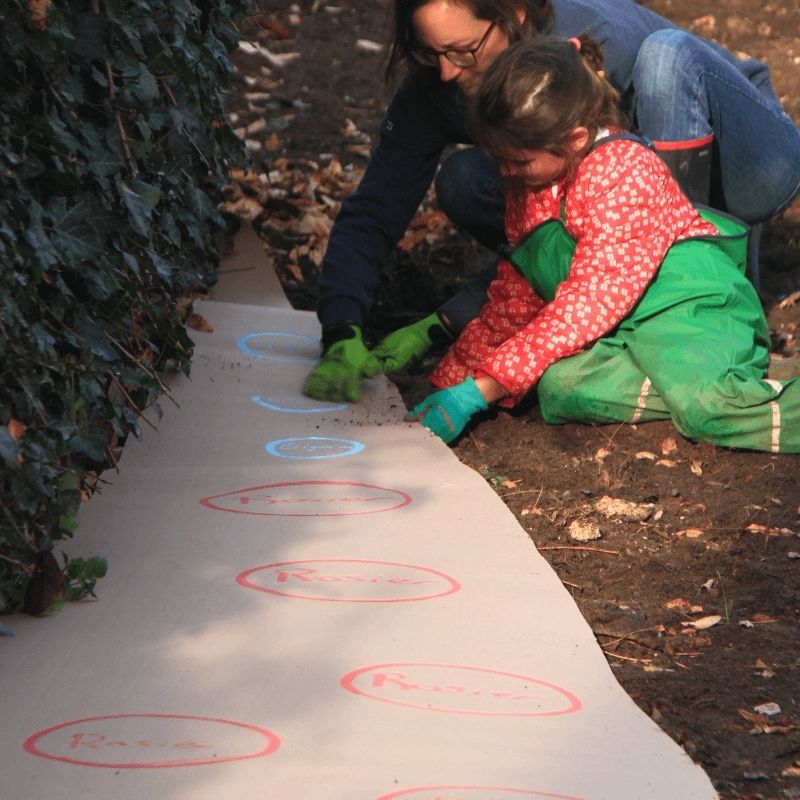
{"points": [[683, 558]]}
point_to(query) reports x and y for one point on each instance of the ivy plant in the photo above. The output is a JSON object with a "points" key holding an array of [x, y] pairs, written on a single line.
{"points": [[113, 144]]}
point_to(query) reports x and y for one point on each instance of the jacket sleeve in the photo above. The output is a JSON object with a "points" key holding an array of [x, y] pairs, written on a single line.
{"points": [[413, 134], [511, 304], [624, 212]]}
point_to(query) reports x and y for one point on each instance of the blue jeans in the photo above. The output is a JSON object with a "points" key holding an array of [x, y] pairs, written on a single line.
{"points": [[688, 88]]}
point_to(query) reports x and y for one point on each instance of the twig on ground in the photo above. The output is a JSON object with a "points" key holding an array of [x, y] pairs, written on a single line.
{"points": [[578, 547], [479, 445], [630, 658], [627, 638]]}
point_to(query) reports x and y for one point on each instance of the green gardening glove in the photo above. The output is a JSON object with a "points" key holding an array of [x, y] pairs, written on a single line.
{"points": [[400, 349], [447, 412], [345, 361]]}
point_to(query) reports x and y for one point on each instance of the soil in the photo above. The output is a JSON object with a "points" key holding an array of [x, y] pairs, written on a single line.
{"points": [[713, 537]]}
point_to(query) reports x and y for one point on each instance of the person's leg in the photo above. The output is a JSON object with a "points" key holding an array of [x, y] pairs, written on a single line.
{"points": [[471, 193], [702, 339], [689, 89], [600, 385]]}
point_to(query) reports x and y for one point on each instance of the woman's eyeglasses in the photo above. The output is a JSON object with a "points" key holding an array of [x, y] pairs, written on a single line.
{"points": [[427, 57]]}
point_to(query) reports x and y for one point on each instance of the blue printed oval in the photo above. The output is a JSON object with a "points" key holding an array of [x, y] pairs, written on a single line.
{"points": [[278, 346], [295, 404], [310, 448]]}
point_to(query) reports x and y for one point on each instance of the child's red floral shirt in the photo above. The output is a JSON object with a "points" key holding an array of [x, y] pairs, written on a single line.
{"points": [[624, 210]]}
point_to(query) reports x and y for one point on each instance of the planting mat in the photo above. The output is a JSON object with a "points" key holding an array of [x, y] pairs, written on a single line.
{"points": [[312, 600]]}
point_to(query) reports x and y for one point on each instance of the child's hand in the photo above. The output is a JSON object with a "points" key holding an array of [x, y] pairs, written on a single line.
{"points": [[447, 412]]}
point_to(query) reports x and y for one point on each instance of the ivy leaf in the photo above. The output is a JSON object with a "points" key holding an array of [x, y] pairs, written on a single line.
{"points": [[89, 31], [94, 337], [9, 448], [36, 237], [91, 444], [140, 199], [146, 86], [80, 231]]}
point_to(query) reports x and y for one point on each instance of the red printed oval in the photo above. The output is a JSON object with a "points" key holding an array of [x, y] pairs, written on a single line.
{"points": [[473, 793], [151, 741], [455, 689], [309, 499], [342, 580]]}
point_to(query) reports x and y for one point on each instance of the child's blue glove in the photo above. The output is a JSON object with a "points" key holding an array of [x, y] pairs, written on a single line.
{"points": [[447, 411]]}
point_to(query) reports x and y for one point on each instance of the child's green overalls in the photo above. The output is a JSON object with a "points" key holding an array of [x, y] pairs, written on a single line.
{"points": [[694, 349]]}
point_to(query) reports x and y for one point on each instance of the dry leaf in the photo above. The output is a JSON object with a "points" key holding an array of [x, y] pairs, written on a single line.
{"points": [[678, 604], [296, 272], [198, 322], [703, 623], [666, 462], [602, 454], [705, 25], [38, 10], [789, 301], [273, 143], [16, 428], [754, 527], [368, 46], [763, 619], [791, 772], [761, 723], [668, 445], [689, 533], [645, 454], [695, 467]]}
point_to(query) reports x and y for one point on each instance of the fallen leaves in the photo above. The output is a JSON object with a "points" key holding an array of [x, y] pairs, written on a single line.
{"points": [[790, 301], [763, 724], [668, 446], [38, 13], [683, 606], [199, 323], [689, 533], [703, 623], [16, 428], [273, 59]]}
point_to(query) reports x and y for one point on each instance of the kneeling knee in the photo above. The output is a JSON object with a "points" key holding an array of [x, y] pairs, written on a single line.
{"points": [[662, 57]]}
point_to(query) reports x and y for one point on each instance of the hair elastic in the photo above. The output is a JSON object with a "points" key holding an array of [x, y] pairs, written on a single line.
{"points": [[575, 41]]}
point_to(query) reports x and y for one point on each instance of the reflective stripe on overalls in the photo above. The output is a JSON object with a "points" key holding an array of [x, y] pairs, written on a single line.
{"points": [[694, 349]]}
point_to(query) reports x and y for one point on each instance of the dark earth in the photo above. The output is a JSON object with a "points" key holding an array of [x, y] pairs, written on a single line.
{"points": [[694, 595]]}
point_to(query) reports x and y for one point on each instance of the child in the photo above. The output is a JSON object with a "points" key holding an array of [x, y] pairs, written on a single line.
{"points": [[618, 300]]}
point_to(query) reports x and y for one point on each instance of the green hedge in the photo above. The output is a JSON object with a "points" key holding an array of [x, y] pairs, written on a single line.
{"points": [[113, 144]]}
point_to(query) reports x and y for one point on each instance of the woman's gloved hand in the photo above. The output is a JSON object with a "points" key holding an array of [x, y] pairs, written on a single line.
{"points": [[401, 348], [345, 361], [447, 412]]}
